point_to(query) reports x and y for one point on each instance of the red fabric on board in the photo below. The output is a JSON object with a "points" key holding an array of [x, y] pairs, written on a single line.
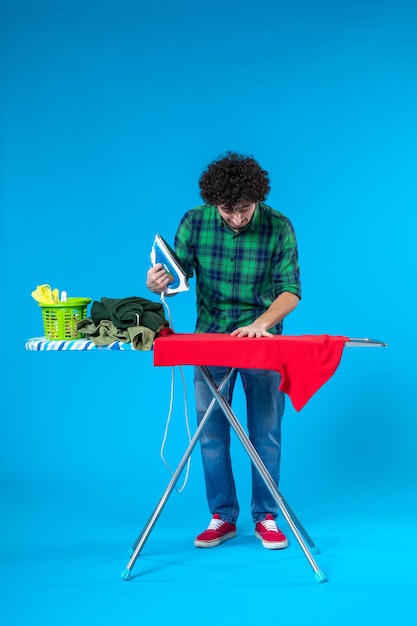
{"points": [[305, 362]]}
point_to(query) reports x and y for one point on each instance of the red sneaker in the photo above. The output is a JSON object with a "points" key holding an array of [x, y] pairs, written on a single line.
{"points": [[217, 532], [270, 535]]}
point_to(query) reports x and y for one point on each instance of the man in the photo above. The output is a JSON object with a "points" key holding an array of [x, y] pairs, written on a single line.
{"points": [[244, 256]]}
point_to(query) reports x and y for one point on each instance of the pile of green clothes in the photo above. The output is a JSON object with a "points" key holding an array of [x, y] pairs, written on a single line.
{"points": [[132, 320]]}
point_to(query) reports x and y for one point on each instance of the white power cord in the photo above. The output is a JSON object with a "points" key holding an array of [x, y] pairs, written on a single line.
{"points": [[171, 405]]}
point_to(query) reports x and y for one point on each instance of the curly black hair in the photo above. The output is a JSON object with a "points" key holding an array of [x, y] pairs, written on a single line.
{"points": [[232, 178]]}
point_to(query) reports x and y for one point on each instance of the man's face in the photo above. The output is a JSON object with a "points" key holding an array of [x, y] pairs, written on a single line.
{"points": [[238, 216]]}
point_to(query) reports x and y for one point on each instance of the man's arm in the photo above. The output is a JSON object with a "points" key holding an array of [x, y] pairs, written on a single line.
{"points": [[280, 308]]}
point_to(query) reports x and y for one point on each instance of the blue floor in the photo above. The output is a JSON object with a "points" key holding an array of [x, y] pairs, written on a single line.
{"points": [[61, 560]]}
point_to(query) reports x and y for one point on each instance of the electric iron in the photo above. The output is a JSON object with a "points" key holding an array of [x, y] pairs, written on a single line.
{"points": [[161, 252]]}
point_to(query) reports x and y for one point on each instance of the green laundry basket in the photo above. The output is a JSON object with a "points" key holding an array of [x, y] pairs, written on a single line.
{"points": [[60, 320]]}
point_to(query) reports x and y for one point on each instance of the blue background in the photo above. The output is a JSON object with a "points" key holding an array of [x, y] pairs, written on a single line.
{"points": [[109, 112]]}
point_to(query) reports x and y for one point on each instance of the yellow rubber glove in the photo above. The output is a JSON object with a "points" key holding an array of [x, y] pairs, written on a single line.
{"points": [[44, 295]]}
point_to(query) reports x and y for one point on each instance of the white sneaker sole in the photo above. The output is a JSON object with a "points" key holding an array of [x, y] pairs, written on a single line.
{"points": [[215, 542], [272, 545]]}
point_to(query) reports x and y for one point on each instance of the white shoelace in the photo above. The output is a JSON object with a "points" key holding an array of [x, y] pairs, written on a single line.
{"points": [[215, 524], [269, 524]]}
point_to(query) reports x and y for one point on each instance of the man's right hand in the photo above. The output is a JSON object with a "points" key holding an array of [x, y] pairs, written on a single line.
{"points": [[157, 279]]}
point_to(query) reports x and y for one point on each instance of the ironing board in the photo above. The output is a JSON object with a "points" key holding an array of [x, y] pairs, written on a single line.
{"points": [[305, 363], [290, 356], [62, 345]]}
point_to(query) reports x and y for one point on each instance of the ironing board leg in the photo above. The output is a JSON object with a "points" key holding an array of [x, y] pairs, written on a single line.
{"points": [[141, 540], [313, 546], [257, 461]]}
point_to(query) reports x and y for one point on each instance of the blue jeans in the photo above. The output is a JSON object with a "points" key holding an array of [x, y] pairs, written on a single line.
{"points": [[265, 408]]}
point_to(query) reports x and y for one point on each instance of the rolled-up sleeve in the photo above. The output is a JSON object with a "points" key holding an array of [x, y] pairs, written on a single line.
{"points": [[285, 267], [184, 246]]}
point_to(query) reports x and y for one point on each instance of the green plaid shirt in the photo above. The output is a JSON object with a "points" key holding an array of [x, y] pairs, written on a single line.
{"points": [[238, 274]]}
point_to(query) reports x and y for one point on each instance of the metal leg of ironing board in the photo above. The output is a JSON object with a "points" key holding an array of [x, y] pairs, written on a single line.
{"points": [[257, 461], [312, 545], [141, 540]]}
